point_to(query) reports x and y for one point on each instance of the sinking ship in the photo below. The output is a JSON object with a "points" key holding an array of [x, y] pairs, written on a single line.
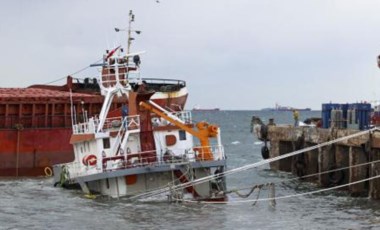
{"points": [[146, 147]]}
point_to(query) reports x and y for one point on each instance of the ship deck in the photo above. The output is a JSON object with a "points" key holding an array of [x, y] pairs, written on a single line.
{"points": [[140, 170]]}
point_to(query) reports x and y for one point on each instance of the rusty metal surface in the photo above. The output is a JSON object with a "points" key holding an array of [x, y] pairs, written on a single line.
{"points": [[36, 95], [38, 149]]}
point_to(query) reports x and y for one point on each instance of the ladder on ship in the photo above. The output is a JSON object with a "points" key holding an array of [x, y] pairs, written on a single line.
{"points": [[128, 126]]}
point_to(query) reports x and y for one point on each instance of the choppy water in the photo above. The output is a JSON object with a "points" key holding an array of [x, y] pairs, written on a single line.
{"points": [[36, 204]]}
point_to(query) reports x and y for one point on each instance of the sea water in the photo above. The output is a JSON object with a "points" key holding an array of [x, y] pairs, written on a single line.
{"points": [[35, 204]]}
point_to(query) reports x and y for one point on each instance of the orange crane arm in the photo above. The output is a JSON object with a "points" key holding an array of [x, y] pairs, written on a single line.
{"points": [[205, 130]]}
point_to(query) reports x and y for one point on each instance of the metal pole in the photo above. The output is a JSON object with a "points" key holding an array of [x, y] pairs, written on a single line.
{"points": [[19, 127], [17, 151], [129, 30]]}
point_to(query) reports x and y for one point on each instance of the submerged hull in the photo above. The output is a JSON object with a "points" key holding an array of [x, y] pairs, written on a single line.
{"points": [[138, 180]]}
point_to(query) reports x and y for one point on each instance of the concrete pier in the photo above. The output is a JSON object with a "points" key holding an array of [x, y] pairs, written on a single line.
{"points": [[344, 154]]}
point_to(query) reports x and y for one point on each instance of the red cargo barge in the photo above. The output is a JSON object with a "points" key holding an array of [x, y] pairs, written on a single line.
{"points": [[36, 125]]}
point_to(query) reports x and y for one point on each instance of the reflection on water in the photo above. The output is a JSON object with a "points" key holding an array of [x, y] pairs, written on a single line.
{"points": [[36, 204]]}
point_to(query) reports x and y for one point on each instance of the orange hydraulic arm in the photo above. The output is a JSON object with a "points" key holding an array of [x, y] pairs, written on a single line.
{"points": [[205, 131]]}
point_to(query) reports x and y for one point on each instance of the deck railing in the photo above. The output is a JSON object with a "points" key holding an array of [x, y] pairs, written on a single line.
{"points": [[216, 150], [142, 159], [184, 116], [110, 124]]}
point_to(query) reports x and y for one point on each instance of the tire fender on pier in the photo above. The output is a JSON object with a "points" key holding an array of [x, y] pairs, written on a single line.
{"points": [[265, 152]]}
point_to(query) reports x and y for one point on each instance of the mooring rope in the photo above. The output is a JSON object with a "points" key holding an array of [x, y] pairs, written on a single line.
{"points": [[314, 174], [271, 193], [284, 197], [250, 166], [257, 197], [271, 185], [256, 187]]}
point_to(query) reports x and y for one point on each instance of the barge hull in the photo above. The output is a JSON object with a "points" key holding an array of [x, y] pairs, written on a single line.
{"points": [[28, 152]]}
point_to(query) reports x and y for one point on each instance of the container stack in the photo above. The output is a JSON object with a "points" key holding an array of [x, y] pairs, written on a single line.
{"points": [[350, 116]]}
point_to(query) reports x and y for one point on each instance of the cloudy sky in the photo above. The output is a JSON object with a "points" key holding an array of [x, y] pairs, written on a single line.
{"points": [[234, 54]]}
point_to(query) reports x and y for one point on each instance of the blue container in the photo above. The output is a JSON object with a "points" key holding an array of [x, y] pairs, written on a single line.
{"points": [[344, 107], [363, 114], [326, 113]]}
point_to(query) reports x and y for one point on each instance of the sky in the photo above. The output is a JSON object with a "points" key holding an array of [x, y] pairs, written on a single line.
{"points": [[233, 54]]}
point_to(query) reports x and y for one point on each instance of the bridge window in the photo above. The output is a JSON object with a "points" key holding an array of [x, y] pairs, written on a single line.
{"points": [[106, 143], [182, 135]]}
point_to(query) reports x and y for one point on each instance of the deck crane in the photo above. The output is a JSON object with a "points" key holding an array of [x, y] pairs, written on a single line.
{"points": [[204, 132]]}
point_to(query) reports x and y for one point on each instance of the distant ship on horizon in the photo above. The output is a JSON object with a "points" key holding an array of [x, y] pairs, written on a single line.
{"points": [[198, 108], [285, 108]]}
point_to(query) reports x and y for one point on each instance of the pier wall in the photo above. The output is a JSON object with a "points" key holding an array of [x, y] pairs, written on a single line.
{"points": [[351, 154]]}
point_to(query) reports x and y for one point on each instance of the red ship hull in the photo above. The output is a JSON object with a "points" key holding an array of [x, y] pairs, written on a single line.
{"points": [[28, 152]]}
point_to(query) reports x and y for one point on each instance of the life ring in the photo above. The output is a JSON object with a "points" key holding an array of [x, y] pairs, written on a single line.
{"points": [[265, 152], [48, 171], [336, 177], [90, 160]]}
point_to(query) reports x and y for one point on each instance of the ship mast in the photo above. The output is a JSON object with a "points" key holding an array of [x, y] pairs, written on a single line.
{"points": [[131, 19]]}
